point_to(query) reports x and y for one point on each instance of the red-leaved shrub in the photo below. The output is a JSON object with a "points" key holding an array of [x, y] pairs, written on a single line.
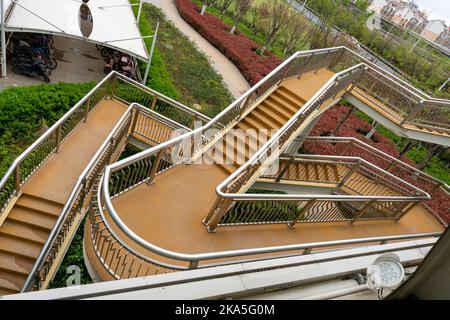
{"points": [[236, 47], [357, 128]]}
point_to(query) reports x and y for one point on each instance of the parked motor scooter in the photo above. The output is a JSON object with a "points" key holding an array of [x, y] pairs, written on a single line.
{"points": [[31, 67]]}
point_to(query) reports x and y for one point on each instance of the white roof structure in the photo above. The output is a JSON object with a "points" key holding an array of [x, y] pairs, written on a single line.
{"points": [[114, 23]]}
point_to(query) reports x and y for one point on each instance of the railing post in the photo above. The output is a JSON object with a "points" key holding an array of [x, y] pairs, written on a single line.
{"points": [[349, 173], [285, 72], [58, 138], [193, 264], [88, 107], [112, 141], [134, 121], [304, 65], [361, 212], [17, 178], [194, 118], [301, 213], [417, 108], [113, 86], [411, 206], [155, 99], [155, 167], [338, 57], [283, 171], [216, 215]]}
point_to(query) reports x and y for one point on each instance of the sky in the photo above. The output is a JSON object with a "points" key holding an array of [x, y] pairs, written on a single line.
{"points": [[440, 9], [437, 9]]}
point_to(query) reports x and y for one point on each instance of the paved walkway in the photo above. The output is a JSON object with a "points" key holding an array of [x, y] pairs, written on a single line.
{"points": [[231, 75]]}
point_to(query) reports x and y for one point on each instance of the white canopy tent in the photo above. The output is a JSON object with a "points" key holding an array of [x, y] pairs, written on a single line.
{"points": [[114, 23]]}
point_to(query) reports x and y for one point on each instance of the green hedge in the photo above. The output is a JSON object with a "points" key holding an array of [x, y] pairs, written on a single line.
{"points": [[25, 110]]}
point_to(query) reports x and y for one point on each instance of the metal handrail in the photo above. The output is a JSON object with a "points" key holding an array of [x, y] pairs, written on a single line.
{"points": [[394, 78], [424, 195], [51, 130], [373, 150], [194, 259], [162, 97], [259, 153], [223, 113], [78, 186], [142, 155]]}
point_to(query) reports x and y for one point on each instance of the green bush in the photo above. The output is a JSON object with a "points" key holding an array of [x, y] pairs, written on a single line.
{"points": [[25, 110], [74, 257]]}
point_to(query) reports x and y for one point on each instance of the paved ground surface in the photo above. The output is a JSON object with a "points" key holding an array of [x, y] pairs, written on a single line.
{"points": [[231, 75], [78, 61]]}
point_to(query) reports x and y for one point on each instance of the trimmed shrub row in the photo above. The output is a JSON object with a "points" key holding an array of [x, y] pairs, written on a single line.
{"points": [[238, 48]]}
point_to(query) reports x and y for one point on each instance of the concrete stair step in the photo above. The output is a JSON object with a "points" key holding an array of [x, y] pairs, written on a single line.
{"points": [[32, 218], [16, 265], [19, 248], [25, 232], [40, 205]]}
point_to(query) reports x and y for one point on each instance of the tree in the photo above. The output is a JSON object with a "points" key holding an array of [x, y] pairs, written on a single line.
{"points": [[224, 5], [277, 10], [242, 7], [205, 5], [254, 15], [295, 31]]}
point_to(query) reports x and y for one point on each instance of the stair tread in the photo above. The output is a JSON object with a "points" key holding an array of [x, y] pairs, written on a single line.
{"points": [[40, 204], [19, 248], [252, 123], [13, 264], [11, 282], [227, 168], [290, 96], [274, 107], [21, 231], [292, 93], [29, 217], [269, 111], [288, 101], [268, 121], [280, 103]]}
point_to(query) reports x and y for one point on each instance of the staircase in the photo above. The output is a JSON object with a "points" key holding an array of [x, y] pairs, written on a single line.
{"points": [[255, 129], [311, 172], [170, 197], [22, 236]]}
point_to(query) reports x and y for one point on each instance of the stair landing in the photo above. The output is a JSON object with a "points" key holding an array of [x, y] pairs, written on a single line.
{"points": [[176, 225]]}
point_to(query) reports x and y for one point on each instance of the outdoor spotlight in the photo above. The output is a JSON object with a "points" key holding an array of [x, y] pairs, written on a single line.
{"points": [[385, 272]]}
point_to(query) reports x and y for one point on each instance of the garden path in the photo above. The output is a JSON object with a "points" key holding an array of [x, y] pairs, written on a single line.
{"points": [[233, 79]]}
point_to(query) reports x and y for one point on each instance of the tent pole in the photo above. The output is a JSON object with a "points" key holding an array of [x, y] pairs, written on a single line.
{"points": [[139, 12], [3, 38], [147, 69]]}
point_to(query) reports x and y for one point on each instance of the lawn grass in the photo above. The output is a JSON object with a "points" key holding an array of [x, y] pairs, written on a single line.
{"points": [[197, 82]]}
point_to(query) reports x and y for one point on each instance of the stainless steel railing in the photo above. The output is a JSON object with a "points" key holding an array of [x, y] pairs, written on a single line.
{"points": [[137, 120], [82, 191], [113, 85], [358, 190], [349, 146], [46, 145], [242, 178], [338, 58], [122, 260]]}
